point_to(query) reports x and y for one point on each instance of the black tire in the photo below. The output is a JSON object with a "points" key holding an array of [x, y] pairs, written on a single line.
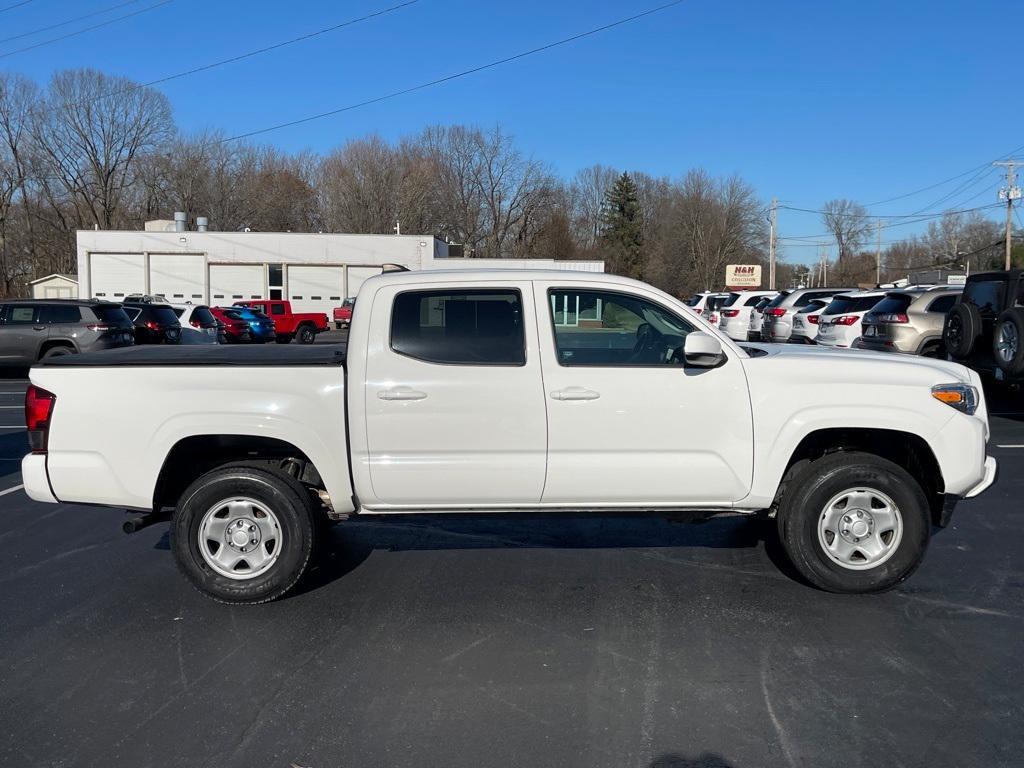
{"points": [[1008, 341], [806, 498], [277, 491], [306, 334], [283, 338], [961, 330], [57, 352]]}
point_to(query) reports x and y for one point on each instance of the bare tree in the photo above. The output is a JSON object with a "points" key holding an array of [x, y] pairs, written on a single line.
{"points": [[17, 97], [849, 224], [91, 139], [587, 193]]}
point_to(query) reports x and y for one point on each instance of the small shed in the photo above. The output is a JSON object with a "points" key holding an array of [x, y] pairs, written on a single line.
{"points": [[55, 286]]}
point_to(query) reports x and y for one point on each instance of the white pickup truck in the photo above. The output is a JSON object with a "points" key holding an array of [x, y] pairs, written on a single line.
{"points": [[509, 391]]}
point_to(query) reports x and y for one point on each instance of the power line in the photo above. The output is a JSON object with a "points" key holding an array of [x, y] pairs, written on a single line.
{"points": [[248, 54], [887, 216], [69, 21], [86, 29], [16, 5], [456, 76], [979, 176]]}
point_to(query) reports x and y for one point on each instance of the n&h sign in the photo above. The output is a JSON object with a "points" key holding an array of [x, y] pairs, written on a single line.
{"points": [[743, 276]]}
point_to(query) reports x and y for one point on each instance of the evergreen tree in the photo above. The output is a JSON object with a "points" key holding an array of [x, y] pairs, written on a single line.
{"points": [[622, 237]]}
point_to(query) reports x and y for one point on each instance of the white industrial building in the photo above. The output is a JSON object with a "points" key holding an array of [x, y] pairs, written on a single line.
{"points": [[315, 271]]}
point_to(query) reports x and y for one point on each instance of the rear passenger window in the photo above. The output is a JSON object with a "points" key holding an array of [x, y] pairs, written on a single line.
{"points": [[22, 314], [59, 313], [986, 295], [943, 304], [468, 327]]}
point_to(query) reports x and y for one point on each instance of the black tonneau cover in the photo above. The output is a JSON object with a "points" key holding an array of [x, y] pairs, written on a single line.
{"points": [[155, 356]]}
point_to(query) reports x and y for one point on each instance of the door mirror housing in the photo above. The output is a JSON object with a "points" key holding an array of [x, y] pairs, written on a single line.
{"points": [[702, 350]]}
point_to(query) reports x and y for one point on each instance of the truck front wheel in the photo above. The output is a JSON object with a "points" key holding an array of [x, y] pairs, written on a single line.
{"points": [[853, 522], [243, 534]]}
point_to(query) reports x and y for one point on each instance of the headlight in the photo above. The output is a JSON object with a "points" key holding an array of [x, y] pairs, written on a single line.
{"points": [[963, 397]]}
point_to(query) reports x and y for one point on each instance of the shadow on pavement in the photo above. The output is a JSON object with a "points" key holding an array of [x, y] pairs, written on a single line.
{"points": [[350, 543], [703, 760]]}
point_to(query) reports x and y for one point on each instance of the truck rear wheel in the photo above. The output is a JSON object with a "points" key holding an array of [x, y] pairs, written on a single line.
{"points": [[243, 534], [853, 523], [306, 334], [1008, 341]]}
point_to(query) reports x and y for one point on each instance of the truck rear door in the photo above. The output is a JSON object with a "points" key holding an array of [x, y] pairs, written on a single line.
{"points": [[454, 404]]}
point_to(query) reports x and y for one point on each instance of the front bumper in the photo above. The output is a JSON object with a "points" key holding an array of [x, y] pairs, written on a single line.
{"points": [[33, 476], [991, 472]]}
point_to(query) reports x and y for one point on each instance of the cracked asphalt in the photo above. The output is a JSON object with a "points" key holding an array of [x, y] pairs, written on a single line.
{"points": [[531, 641]]}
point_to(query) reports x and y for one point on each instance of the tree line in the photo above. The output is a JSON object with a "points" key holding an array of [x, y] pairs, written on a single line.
{"points": [[91, 150]]}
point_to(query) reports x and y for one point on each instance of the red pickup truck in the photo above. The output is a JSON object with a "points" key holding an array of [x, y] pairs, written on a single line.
{"points": [[289, 325], [343, 314]]}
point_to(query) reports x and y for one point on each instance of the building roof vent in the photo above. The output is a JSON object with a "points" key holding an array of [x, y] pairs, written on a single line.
{"points": [[180, 221]]}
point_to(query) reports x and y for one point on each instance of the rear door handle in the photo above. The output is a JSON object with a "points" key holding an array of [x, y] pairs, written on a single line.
{"points": [[401, 393], [575, 393]]}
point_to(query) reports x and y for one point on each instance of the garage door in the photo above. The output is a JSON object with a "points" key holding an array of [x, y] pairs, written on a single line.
{"points": [[233, 282], [315, 289], [356, 276], [178, 277], [113, 276]]}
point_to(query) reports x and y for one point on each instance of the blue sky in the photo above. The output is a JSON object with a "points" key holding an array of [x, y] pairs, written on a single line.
{"points": [[807, 100]]}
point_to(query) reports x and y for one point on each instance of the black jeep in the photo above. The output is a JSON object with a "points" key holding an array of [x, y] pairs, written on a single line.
{"points": [[985, 329]]}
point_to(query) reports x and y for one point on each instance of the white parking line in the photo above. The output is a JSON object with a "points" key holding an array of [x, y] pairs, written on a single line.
{"points": [[18, 427], [1009, 446], [11, 490]]}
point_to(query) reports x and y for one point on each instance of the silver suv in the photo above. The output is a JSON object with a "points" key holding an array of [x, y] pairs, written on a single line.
{"points": [[777, 324], [31, 330], [909, 321]]}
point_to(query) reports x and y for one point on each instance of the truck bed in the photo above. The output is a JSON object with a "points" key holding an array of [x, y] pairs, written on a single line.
{"points": [[250, 355]]}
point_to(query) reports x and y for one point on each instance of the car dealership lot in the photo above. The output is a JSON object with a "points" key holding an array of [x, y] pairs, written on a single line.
{"points": [[598, 640]]}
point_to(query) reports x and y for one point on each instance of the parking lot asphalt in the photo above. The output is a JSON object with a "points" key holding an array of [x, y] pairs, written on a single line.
{"points": [[601, 641]]}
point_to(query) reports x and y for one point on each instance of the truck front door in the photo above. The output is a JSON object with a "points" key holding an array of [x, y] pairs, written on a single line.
{"points": [[454, 405], [628, 423]]}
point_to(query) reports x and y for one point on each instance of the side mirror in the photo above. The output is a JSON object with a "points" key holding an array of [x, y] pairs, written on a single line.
{"points": [[702, 350]]}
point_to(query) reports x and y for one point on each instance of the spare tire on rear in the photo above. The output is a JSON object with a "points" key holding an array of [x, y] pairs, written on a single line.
{"points": [[1008, 341], [961, 329]]}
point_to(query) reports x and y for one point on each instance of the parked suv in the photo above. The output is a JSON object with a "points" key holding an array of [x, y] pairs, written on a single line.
{"points": [[909, 321], [805, 322], [736, 311], [35, 329], [985, 329], [778, 315], [839, 323], [198, 325], [155, 321]]}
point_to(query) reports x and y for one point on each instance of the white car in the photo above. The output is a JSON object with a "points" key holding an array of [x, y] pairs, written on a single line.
{"points": [[712, 308], [839, 323], [736, 310], [756, 318], [805, 322], [698, 300], [471, 390], [198, 325]]}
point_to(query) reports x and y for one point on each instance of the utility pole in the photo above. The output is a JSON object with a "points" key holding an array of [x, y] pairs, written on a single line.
{"points": [[878, 252], [1009, 193], [774, 222]]}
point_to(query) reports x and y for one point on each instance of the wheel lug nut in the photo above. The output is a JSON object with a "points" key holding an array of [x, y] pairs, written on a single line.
{"points": [[252, 527], [254, 541]]}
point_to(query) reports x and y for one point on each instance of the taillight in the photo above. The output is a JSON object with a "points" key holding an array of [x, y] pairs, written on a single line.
{"points": [[99, 327], [891, 317], [846, 320], [813, 319], [775, 312], [195, 323], [38, 409], [153, 326], [730, 313]]}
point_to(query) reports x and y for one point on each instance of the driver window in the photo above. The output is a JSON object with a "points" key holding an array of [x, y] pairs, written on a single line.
{"points": [[603, 328]]}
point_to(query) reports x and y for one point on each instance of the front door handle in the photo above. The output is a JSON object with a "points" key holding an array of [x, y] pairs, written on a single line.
{"points": [[575, 393], [38, 327], [401, 393]]}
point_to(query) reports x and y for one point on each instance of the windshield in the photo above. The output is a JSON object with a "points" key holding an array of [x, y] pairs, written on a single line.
{"points": [[203, 316], [164, 315], [693, 301], [814, 306], [778, 299], [733, 298], [843, 304], [114, 315], [893, 304]]}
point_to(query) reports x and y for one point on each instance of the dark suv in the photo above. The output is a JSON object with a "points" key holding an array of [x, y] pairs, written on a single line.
{"points": [[985, 329], [33, 329], [155, 322]]}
